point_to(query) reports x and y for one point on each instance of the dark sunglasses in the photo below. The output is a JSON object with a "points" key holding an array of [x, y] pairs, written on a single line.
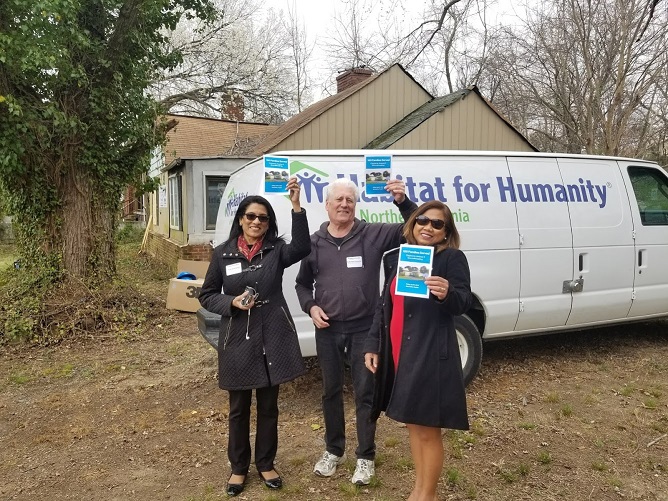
{"points": [[251, 217], [437, 224]]}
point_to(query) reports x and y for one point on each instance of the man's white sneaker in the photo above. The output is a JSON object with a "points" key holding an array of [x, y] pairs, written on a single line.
{"points": [[326, 466], [364, 470]]}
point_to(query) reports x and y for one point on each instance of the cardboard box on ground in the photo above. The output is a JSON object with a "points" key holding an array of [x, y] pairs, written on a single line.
{"points": [[183, 294]]}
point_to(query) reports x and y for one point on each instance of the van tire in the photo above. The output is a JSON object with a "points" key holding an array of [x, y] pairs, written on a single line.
{"points": [[470, 346]]}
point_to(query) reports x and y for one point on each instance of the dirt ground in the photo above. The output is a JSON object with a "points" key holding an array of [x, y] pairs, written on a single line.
{"points": [[579, 416]]}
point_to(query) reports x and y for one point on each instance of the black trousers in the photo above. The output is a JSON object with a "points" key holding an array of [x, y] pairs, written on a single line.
{"points": [[336, 350], [266, 435]]}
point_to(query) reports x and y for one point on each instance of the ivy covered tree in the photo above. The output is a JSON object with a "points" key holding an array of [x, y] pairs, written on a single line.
{"points": [[76, 123]]}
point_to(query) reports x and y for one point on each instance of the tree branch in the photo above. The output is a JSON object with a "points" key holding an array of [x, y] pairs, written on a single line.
{"points": [[439, 25]]}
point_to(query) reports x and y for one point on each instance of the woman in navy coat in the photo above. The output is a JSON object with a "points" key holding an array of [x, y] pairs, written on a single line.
{"points": [[258, 347], [412, 346]]}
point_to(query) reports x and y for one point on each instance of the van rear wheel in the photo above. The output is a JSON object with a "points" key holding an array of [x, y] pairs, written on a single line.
{"points": [[470, 346]]}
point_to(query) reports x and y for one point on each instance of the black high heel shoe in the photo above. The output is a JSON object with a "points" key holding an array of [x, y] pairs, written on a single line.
{"points": [[236, 489], [273, 483]]}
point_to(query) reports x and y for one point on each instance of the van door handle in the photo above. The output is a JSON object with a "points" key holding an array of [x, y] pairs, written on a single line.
{"points": [[583, 262], [639, 258]]}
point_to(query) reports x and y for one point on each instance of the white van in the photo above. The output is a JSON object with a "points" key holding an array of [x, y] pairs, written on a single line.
{"points": [[554, 241]]}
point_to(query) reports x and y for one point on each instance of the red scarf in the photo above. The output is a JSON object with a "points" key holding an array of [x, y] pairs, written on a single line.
{"points": [[243, 247]]}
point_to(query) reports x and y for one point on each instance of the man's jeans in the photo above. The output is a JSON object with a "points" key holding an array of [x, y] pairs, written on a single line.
{"points": [[335, 350]]}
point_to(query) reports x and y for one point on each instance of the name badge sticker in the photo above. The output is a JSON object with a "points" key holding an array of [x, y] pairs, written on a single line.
{"points": [[354, 262], [232, 269]]}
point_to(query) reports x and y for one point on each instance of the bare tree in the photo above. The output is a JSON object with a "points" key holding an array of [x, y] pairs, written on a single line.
{"points": [[301, 51], [451, 50], [241, 62], [427, 30], [367, 34], [353, 43], [445, 47], [587, 75]]}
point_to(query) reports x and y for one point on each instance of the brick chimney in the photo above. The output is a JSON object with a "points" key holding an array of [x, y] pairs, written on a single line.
{"points": [[232, 106], [350, 77]]}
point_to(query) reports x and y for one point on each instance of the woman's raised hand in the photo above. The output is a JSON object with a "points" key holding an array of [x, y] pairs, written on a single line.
{"points": [[295, 192]]}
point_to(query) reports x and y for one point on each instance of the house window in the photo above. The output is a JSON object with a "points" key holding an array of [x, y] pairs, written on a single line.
{"points": [[156, 206], [651, 190], [175, 198], [214, 193]]}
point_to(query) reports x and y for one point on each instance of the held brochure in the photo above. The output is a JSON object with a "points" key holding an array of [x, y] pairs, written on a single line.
{"points": [[276, 175], [377, 172], [415, 262]]}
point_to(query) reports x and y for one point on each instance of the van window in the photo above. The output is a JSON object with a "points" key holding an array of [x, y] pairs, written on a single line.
{"points": [[651, 190]]}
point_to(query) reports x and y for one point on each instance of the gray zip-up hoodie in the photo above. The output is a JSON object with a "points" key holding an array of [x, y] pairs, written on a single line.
{"points": [[343, 280]]}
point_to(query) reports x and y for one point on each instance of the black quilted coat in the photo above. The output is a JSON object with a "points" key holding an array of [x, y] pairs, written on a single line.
{"points": [[428, 387], [258, 348]]}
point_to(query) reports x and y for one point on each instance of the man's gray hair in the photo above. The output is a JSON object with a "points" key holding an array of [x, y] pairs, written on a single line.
{"points": [[342, 182]]}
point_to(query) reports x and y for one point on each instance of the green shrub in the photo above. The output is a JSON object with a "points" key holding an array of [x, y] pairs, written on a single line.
{"points": [[128, 233]]}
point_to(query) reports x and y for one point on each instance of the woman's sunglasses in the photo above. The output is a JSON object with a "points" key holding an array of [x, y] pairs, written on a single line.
{"points": [[251, 217], [437, 224]]}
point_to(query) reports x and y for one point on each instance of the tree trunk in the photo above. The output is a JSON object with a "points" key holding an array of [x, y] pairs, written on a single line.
{"points": [[87, 228], [77, 221], [103, 254]]}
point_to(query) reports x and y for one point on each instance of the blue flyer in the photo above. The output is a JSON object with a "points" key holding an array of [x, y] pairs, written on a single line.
{"points": [[415, 262], [276, 175], [377, 172]]}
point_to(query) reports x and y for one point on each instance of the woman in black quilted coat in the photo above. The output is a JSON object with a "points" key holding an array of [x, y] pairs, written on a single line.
{"points": [[412, 346], [258, 346]]}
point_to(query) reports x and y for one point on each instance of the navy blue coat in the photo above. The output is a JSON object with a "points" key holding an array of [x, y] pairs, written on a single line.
{"points": [[428, 387], [266, 331]]}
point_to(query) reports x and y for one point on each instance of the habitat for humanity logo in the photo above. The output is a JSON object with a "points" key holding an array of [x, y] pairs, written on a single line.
{"points": [[233, 201], [312, 181]]}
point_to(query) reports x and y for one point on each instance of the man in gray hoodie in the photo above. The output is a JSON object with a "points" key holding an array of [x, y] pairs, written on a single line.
{"points": [[337, 286]]}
